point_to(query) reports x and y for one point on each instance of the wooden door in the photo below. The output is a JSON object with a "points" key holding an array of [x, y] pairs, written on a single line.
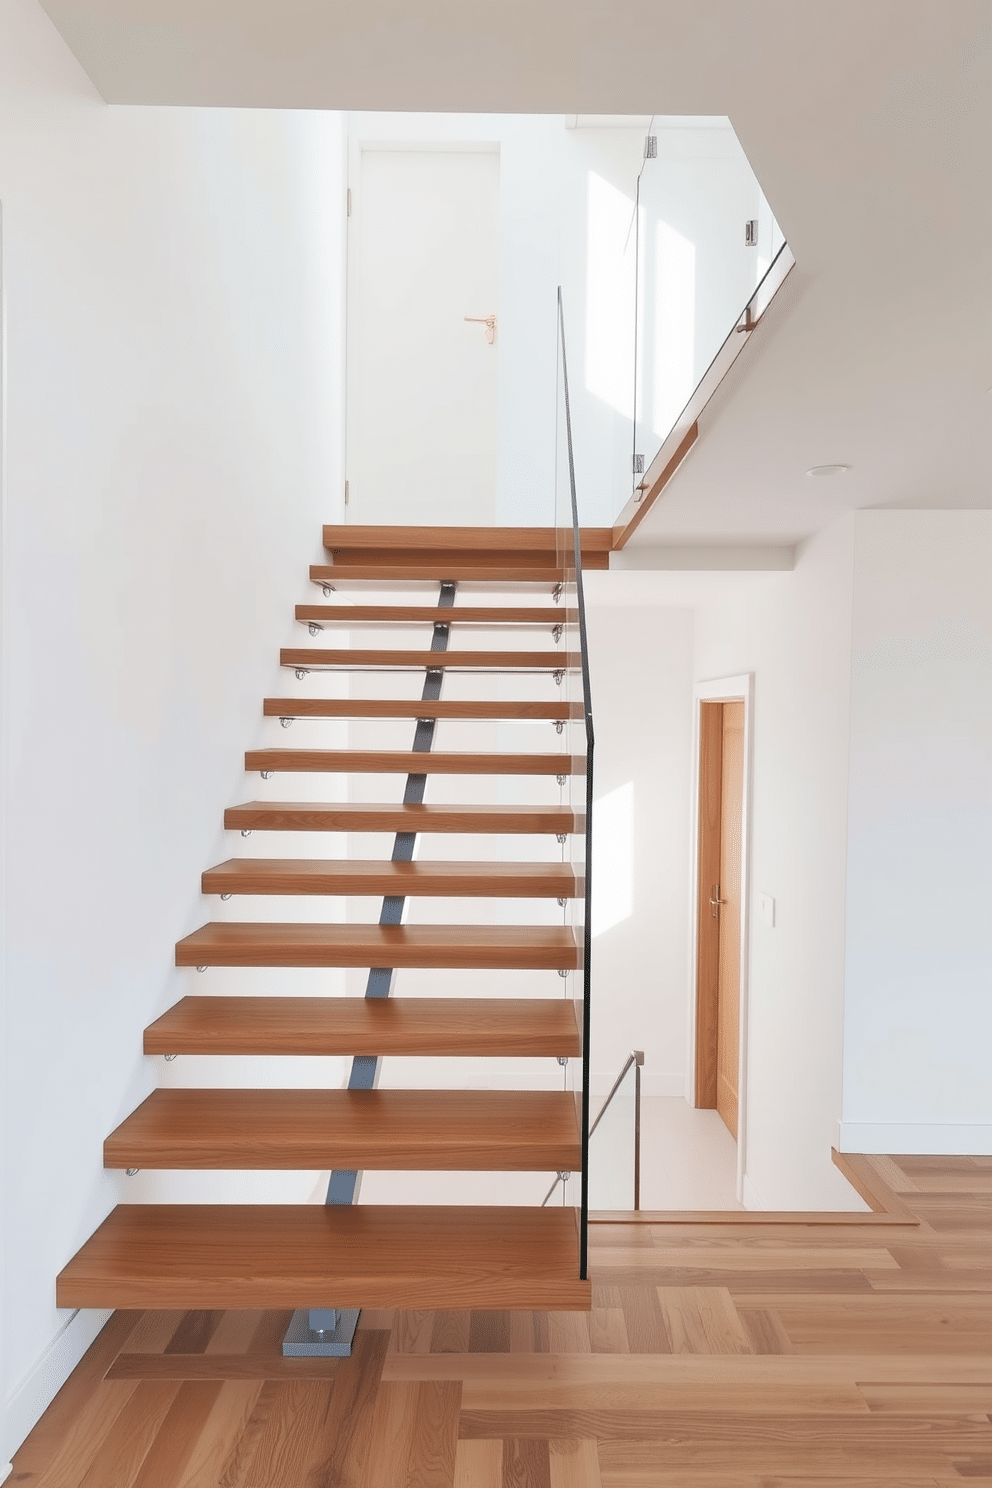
{"points": [[718, 966], [423, 255]]}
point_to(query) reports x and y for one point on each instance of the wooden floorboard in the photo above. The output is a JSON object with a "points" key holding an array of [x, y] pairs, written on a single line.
{"points": [[755, 1351]]}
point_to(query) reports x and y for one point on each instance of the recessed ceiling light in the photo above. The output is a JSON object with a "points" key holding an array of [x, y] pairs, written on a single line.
{"points": [[819, 470]]}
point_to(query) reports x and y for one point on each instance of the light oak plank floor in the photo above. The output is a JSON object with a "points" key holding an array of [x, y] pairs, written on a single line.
{"points": [[737, 1352]]}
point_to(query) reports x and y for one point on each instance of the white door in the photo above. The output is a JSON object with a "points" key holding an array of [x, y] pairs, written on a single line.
{"points": [[423, 255]]}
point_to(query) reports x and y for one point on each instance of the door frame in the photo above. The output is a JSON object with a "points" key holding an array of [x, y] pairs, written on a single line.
{"points": [[357, 146], [735, 689]]}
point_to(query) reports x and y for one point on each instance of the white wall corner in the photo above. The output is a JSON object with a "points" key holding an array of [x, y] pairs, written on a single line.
{"points": [[30, 1399], [5, 1471], [750, 1197], [923, 1139]]}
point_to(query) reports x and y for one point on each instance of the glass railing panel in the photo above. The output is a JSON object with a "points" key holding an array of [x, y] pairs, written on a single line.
{"points": [[705, 239], [576, 742]]}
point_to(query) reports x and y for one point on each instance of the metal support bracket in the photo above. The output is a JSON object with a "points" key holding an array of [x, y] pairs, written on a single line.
{"points": [[333, 1341]]}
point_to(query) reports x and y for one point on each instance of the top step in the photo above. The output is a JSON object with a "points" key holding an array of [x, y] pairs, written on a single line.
{"points": [[498, 543], [499, 555]]}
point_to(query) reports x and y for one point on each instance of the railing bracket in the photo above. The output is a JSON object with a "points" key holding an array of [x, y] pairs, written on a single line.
{"points": [[557, 631], [285, 722], [302, 672], [559, 676], [246, 831], [314, 628], [561, 779], [201, 968], [226, 896], [169, 1057], [328, 590]]}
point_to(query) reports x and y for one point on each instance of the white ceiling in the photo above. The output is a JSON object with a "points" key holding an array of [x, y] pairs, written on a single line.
{"points": [[868, 124]]}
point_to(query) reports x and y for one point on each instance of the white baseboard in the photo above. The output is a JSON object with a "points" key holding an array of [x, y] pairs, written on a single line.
{"points": [[653, 1082], [30, 1399], [928, 1139], [668, 1086]]}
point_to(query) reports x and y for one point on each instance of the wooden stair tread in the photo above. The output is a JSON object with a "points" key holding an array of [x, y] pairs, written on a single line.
{"points": [[399, 614], [463, 947], [421, 1130], [414, 708], [442, 570], [335, 816], [338, 538], [437, 1026], [407, 762], [313, 658], [317, 1255], [350, 876]]}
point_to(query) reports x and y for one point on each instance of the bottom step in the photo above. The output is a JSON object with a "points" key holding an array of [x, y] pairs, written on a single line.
{"points": [[315, 1255]]}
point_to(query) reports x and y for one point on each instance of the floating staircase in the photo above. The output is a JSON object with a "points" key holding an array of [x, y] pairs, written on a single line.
{"points": [[340, 1255]]}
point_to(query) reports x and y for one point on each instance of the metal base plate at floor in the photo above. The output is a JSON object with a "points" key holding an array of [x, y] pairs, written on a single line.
{"points": [[300, 1342]]}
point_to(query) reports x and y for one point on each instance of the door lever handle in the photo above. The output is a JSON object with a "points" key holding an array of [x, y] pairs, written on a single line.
{"points": [[715, 901], [489, 321]]}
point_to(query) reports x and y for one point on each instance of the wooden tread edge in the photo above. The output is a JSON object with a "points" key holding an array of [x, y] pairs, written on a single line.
{"points": [[425, 1026], [318, 1255]]}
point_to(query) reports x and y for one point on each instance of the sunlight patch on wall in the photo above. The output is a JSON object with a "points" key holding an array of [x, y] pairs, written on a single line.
{"points": [[613, 859], [674, 326], [610, 295]]}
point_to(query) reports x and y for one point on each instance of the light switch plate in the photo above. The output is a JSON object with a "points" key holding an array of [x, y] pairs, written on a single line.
{"points": [[768, 911]]}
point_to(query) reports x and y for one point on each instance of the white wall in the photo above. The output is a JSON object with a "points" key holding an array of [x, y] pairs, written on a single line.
{"points": [[793, 632], [918, 1018], [173, 326], [640, 661]]}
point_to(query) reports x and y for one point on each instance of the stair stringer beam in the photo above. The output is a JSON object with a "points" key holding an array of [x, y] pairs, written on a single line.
{"points": [[330, 1331]]}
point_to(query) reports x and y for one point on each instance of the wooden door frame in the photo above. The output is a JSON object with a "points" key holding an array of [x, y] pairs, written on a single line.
{"points": [[722, 690]]}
